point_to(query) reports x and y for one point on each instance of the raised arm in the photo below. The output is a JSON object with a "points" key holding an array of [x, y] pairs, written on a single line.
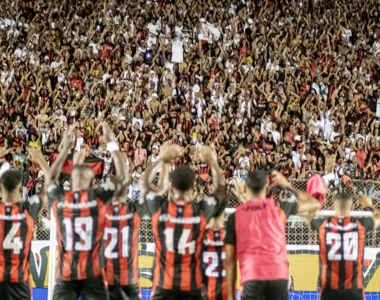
{"points": [[367, 202], [112, 146], [169, 153], [52, 174], [208, 155], [306, 202]]}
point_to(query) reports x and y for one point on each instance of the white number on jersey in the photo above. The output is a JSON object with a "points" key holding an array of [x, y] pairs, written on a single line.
{"points": [[350, 246], [110, 249], [83, 226], [11, 241], [183, 245], [211, 267]]}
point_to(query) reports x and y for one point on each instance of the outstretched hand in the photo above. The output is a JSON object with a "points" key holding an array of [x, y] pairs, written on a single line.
{"points": [[108, 136], [208, 154], [279, 180], [365, 201], [170, 153]]}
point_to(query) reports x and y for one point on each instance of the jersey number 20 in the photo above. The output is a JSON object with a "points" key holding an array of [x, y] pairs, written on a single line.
{"points": [[350, 246]]}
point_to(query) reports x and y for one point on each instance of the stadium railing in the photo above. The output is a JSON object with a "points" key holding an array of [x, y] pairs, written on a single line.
{"points": [[297, 232]]}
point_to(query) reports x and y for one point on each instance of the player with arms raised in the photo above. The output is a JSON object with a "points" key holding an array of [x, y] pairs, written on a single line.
{"points": [[341, 242], [17, 220], [256, 237], [121, 244], [179, 224], [80, 215]]}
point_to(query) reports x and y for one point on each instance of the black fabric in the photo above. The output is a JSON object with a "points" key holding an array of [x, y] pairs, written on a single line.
{"points": [[343, 295], [15, 291], [265, 290], [230, 231], [130, 292], [161, 294], [90, 289]]}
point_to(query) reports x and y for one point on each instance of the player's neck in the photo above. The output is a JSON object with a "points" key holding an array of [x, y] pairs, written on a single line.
{"points": [[257, 196], [342, 213], [13, 197], [181, 198]]}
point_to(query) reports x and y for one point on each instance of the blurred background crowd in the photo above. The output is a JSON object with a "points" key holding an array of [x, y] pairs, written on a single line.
{"points": [[286, 85]]}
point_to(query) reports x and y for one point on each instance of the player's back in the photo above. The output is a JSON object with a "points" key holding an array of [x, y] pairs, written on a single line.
{"points": [[178, 232], [342, 241], [16, 234], [261, 241], [80, 227], [214, 264], [121, 243]]}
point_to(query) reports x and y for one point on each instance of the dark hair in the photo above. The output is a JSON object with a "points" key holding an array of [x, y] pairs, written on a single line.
{"points": [[256, 181], [183, 178], [11, 179], [344, 197]]}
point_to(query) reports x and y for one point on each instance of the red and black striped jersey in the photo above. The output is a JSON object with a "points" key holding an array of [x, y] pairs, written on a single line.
{"points": [[214, 264], [341, 242], [178, 233], [16, 233], [80, 218], [121, 242]]}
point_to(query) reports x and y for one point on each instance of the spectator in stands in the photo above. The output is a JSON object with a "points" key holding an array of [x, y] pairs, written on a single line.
{"points": [[269, 85]]}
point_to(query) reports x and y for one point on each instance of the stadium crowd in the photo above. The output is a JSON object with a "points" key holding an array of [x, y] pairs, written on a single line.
{"points": [[291, 85]]}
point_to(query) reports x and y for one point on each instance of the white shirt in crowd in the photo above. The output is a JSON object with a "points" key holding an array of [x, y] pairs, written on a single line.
{"points": [[177, 52], [297, 160]]}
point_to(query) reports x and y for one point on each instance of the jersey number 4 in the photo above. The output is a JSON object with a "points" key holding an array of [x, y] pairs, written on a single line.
{"points": [[110, 249], [83, 227], [184, 245], [350, 246], [11, 241]]}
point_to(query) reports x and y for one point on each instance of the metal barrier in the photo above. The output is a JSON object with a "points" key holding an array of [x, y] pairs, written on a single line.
{"points": [[297, 232]]}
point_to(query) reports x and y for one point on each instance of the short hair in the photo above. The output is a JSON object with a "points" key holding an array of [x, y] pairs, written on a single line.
{"points": [[82, 168], [343, 197], [183, 178], [256, 181], [11, 179]]}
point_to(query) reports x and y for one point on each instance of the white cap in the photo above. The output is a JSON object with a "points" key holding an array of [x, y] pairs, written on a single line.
{"points": [[155, 147], [202, 20], [250, 21]]}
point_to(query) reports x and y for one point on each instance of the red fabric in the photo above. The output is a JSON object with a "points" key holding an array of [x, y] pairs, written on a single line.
{"points": [[316, 187], [260, 241]]}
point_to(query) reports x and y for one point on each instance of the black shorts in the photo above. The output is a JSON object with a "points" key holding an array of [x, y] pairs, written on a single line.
{"points": [[161, 294], [89, 289], [265, 290], [342, 295], [130, 292], [15, 291]]}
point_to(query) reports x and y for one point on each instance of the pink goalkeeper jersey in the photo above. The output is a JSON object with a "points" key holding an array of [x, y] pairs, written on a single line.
{"points": [[260, 241]]}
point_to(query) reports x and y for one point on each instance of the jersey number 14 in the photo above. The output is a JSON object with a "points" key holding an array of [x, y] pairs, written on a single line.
{"points": [[184, 245]]}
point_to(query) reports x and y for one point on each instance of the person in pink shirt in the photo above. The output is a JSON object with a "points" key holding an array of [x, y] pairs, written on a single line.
{"points": [[256, 237], [140, 156]]}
